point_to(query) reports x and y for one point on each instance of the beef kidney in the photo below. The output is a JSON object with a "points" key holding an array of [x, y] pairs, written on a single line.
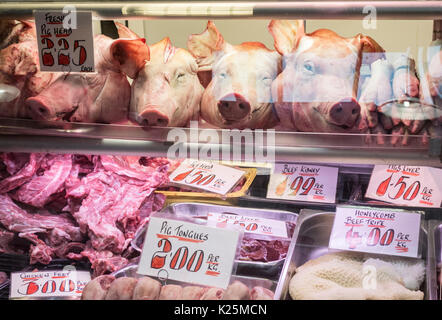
{"points": [[103, 96], [238, 79], [166, 92]]}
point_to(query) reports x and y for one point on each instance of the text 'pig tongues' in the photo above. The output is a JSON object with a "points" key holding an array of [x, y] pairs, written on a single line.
{"points": [[234, 107]]}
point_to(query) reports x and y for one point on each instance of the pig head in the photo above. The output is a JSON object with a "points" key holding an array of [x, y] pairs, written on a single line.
{"points": [[166, 92], [239, 77], [103, 96], [20, 75], [318, 87]]}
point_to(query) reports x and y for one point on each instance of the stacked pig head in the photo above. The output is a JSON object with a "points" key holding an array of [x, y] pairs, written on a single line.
{"points": [[237, 80], [317, 91], [166, 91], [20, 75], [103, 96]]}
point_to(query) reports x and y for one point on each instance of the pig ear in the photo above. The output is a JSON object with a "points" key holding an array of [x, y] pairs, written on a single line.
{"points": [[130, 55], [163, 49], [203, 45], [125, 32], [369, 49], [286, 34]]}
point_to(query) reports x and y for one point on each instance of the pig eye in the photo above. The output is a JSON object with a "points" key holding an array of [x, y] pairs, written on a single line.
{"points": [[180, 75], [309, 67], [223, 75]]}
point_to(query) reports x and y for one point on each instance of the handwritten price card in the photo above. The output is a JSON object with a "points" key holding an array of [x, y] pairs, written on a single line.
{"points": [[375, 230], [406, 185], [65, 41], [303, 183], [48, 284], [255, 225], [188, 252], [206, 175]]}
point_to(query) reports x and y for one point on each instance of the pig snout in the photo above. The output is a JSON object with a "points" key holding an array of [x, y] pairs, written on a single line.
{"points": [[234, 107], [345, 112], [39, 108], [153, 117]]}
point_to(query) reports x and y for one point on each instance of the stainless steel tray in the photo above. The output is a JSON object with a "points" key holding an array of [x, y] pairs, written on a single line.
{"points": [[434, 258], [198, 212], [311, 239]]}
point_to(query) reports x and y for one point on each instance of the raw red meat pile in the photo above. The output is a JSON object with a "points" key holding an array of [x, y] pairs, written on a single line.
{"points": [[77, 207]]}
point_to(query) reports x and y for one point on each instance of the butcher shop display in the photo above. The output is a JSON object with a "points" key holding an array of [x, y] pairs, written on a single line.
{"points": [[239, 78], [167, 91], [340, 276], [77, 207]]}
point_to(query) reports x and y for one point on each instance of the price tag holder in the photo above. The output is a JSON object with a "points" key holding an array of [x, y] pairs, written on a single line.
{"points": [[267, 227], [41, 284], [65, 41], [303, 183], [375, 230], [189, 252], [206, 175], [406, 185]]}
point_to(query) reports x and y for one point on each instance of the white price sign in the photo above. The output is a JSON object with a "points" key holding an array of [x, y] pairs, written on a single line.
{"points": [[206, 175], [65, 41], [303, 183], [376, 230], [188, 252], [268, 227], [62, 283], [406, 185]]}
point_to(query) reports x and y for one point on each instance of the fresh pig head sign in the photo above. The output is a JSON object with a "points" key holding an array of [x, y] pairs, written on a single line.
{"points": [[238, 94]]}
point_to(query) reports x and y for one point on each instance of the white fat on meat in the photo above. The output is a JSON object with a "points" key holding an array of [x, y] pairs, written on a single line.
{"points": [[213, 294], [97, 288], [261, 293], [347, 276]]}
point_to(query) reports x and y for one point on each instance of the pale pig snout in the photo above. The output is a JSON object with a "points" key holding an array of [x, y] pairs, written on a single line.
{"points": [[345, 112], [233, 106], [39, 108], [152, 116]]}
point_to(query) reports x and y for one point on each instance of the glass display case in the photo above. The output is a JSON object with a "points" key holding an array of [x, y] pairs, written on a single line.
{"points": [[267, 87]]}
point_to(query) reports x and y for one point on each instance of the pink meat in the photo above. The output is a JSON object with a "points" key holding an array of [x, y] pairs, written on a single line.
{"points": [[237, 291], [213, 294], [97, 288], [23, 175], [121, 289], [37, 192], [147, 289], [171, 292], [193, 293], [260, 293]]}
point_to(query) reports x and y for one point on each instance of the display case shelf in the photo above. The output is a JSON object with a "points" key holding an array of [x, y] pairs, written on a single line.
{"points": [[422, 10], [36, 136]]}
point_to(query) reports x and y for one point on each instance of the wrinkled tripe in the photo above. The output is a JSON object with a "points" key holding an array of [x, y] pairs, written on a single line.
{"points": [[340, 276]]}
